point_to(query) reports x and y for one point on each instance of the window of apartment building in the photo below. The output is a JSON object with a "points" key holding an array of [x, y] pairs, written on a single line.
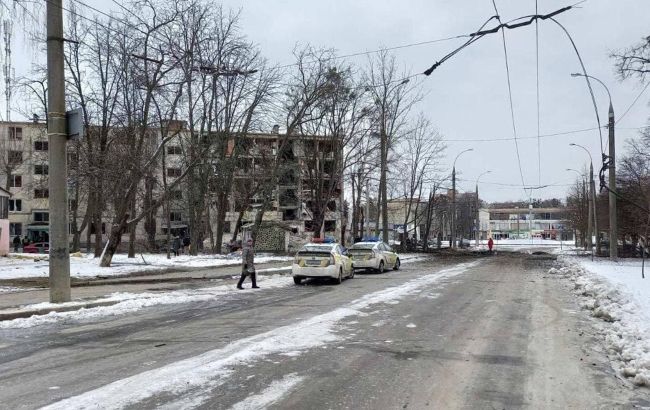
{"points": [[15, 229], [41, 216], [330, 226], [73, 158], [14, 157], [175, 216], [4, 207], [41, 145], [41, 193], [174, 150], [93, 230], [177, 194], [41, 169], [15, 205], [174, 172], [15, 133], [16, 181]]}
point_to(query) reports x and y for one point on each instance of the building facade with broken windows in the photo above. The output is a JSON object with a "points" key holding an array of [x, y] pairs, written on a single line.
{"points": [[308, 187]]}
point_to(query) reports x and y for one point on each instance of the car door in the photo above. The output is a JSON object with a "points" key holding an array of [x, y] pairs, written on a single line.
{"points": [[390, 256], [345, 259]]}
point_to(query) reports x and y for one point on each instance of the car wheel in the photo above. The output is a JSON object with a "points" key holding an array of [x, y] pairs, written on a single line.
{"points": [[397, 263], [339, 280], [297, 280], [381, 267]]}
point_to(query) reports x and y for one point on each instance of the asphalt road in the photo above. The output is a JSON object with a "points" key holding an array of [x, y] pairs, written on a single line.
{"points": [[494, 332]]}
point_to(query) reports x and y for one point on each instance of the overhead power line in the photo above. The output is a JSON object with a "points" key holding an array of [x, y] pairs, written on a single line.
{"points": [[509, 25], [512, 108]]}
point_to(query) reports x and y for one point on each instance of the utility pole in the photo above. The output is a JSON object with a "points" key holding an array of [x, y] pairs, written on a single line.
{"points": [[453, 207], [382, 182], [613, 226], [592, 187], [367, 216], [57, 136], [611, 165]]}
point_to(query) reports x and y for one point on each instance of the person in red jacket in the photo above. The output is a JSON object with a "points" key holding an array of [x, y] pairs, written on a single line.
{"points": [[490, 244]]}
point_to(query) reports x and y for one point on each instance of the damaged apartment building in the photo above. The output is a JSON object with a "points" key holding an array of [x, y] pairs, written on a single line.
{"points": [[307, 163], [310, 166]]}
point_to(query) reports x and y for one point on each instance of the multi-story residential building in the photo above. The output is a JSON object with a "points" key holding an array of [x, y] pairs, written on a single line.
{"points": [[24, 173], [24, 170]]}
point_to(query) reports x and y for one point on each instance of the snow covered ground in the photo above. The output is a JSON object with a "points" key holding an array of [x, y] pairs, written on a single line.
{"points": [[616, 293], [29, 265], [131, 302], [24, 265]]}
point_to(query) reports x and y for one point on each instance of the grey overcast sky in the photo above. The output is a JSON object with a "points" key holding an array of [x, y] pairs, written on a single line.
{"points": [[467, 97]]}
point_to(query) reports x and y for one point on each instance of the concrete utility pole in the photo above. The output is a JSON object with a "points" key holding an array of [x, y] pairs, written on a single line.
{"points": [[58, 170], [453, 198], [593, 217], [613, 224], [478, 213], [367, 216], [382, 183]]}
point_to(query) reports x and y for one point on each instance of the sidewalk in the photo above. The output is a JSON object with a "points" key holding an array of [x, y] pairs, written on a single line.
{"points": [[34, 294]]}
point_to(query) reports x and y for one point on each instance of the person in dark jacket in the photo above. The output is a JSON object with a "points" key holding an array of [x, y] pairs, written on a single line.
{"points": [[176, 244], [248, 264], [16, 243]]}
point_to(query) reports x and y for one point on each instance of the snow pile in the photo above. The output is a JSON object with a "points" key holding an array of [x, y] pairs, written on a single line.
{"points": [[626, 333], [85, 265], [131, 302]]}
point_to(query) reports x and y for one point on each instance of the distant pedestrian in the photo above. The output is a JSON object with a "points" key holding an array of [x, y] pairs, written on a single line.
{"points": [[16, 243], [490, 244], [186, 242], [176, 244], [248, 264]]}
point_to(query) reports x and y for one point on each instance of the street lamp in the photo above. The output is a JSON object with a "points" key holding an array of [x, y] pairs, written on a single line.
{"points": [[453, 198], [611, 165], [593, 219], [478, 215]]}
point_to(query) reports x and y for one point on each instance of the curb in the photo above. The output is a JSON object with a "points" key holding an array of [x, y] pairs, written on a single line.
{"points": [[11, 314]]}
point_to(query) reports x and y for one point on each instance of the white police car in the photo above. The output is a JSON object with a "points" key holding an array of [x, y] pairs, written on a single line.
{"points": [[371, 253], [322, 258]]}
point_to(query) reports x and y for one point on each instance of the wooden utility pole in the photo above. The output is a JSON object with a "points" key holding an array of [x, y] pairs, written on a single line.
{"points": [[57, 135]]}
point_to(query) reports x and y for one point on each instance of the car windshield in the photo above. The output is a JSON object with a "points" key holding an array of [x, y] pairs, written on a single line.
{"points": [[317, 248], [362, 246]]}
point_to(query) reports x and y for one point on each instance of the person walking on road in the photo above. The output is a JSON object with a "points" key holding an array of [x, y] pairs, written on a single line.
{"points": [[176, 244], [248, 265], [16, 243], [490, 244]]}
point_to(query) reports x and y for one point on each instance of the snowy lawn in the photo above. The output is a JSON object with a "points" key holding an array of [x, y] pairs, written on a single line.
{"points": [[29, 265], [616, 293]]}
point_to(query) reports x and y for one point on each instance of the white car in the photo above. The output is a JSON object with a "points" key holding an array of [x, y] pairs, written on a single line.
{"points": [[375, 255], [318, 260]]}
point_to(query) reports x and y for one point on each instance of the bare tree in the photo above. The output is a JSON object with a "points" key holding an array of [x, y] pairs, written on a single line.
{"points": [[421, 149], [392, 96]]}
